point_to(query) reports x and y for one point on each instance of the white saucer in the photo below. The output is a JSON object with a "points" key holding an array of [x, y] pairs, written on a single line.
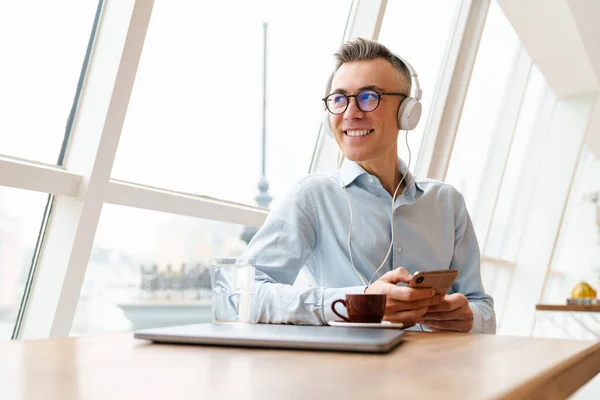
{"points": [[372, 325]]}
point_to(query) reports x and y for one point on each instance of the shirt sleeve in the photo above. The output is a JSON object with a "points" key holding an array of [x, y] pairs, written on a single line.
{"points": [[467, 260], [281, 247]]}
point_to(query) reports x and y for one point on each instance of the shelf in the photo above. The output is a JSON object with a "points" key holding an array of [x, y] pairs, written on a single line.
{"points": [[568, 307]]}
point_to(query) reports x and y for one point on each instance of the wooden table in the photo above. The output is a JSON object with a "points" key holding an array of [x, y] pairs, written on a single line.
{"points": [[427, 365]]}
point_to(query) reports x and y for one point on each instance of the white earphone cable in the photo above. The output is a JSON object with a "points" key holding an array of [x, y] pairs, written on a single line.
{"points": [[350, 241], [393, 202], [391, 220]]}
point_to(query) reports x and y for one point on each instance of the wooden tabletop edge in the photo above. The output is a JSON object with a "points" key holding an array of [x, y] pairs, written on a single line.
{"points": [[561, 380]]}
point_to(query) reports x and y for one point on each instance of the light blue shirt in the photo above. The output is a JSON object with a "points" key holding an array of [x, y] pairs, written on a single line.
{"points": [[308, 228]]}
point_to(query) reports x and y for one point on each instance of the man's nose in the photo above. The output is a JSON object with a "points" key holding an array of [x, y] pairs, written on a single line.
{"points": [[353, 112]]}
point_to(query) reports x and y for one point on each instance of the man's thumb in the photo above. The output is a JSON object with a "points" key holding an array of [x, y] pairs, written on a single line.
{"points": [[397, 275]]}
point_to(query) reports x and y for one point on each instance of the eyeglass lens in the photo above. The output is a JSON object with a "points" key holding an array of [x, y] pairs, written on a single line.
{"points": [[367, 100]]}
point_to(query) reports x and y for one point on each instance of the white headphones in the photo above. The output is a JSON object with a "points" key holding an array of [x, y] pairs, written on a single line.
{"points": [[409, 112]]}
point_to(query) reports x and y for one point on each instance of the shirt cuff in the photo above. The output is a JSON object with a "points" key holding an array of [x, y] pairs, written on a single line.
{"points": [[332, 294], [477, 319]]}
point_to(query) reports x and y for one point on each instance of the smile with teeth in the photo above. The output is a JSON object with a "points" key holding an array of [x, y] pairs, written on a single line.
{"points": [[361, 132]]}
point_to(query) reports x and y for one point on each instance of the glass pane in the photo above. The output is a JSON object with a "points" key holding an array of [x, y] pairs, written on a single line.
{"points": [[424, 52], [21, 214], [496, 277], [149, 269], [509, 216], [577, 256], [43, 45], [483, 105], [196, 106]]}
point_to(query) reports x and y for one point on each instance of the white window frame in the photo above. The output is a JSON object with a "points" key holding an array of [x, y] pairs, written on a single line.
{"points": [[38, 177], [451, 90], [70, 231]]}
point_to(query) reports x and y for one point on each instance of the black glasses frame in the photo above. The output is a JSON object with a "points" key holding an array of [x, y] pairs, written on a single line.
{"points": [[348, 96]]}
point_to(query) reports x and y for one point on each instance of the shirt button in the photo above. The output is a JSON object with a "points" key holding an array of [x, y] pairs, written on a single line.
{"points": [[371, 180], [399, 249]]}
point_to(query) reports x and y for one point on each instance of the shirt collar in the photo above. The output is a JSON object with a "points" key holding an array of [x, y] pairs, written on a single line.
{"points": [[350, 170]]}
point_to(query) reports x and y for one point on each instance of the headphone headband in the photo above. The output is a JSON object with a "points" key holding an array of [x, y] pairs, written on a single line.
{"points": [[413, 77]]}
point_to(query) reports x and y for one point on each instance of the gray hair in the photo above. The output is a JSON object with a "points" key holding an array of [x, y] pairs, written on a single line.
{"points": [[359, 49]]}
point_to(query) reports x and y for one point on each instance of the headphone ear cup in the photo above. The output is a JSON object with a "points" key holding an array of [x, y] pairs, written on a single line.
{"points": [[327, 125], [409, 114]]}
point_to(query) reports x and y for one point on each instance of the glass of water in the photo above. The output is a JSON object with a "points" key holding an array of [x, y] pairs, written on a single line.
{"points": [[232, 283]]}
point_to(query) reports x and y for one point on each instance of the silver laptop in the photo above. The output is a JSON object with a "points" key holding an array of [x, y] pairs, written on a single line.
{"points": [[278, 336]]}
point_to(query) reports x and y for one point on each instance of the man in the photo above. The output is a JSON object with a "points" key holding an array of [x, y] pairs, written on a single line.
{"points": [[309, 228]]}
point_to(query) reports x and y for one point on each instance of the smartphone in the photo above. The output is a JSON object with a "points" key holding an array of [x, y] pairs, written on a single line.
{"points": [[439, 280]]}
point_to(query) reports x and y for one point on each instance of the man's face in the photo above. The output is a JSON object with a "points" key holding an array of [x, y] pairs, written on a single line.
{"points": [[381, 124]]}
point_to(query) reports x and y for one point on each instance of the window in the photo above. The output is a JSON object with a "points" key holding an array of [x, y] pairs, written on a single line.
{"points": [[577, 255], [508, 221], [497, 276], [483, 104], [548, 186], [150, 269], [513, 201], [43, 45], [194, 120], [21, 214], [403, 32]]}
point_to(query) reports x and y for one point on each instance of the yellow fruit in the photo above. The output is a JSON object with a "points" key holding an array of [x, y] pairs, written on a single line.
{"points": [[582, 290]]}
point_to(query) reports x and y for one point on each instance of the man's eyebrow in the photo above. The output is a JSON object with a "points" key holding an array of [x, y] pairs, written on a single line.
{"points": [[372, 87], [368, 87]]}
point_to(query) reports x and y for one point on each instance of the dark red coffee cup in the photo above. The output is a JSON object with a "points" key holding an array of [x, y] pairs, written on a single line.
{"points": [[362, 307]]}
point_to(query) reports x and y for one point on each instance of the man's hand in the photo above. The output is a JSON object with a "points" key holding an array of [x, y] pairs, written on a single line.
{"points": [[454, 314], [404, 304]]}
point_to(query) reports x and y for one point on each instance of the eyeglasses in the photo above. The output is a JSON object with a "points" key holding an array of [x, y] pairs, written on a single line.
{"points": [[366, 100]]}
